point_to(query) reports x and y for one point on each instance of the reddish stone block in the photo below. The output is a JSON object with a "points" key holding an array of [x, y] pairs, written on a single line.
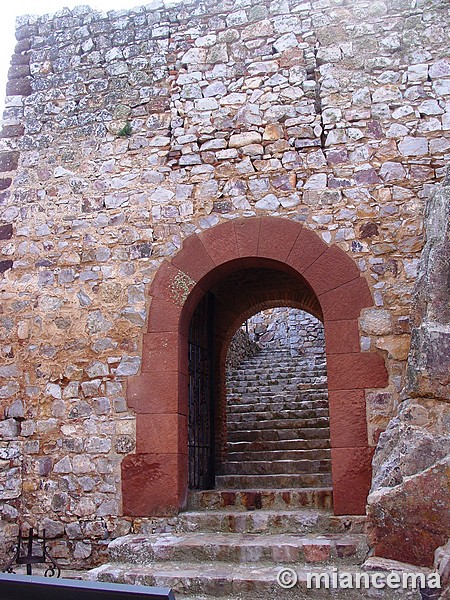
{"points": [[346, 549], [161, 434], [193, 259], [342, 337], [352, 473], [307, 249], [163, 316], [170, 284], [220, 243], [5, 265], [150, 485], [277, 237], [331, 270], [162, 352], [348, 421], [409, 521], [285, 553], [9, 161], [19, 87], [316, 551], [356, 371], [346, 301], [158, 393], [183, 479], [12, 131], [4, 185], [6, 231], [247, 235]]}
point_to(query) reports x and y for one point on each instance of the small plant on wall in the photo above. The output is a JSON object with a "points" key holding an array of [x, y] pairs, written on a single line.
{"points": [[126, 130]]}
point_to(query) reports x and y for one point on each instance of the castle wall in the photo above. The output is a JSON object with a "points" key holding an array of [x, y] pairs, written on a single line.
{"points": [[125, 133]]}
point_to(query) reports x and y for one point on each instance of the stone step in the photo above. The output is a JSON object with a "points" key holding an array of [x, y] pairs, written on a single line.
{"points": [[225, 581], [269, 376], [276, 405], [270, 481], [269, 415], [265, 499], [267, 386], [279, 434], [238, 548], [279, 455], [296, 401], [270, 445], [300, 521], [304, 389], [244, 382], [277, 424], [273, 467]]}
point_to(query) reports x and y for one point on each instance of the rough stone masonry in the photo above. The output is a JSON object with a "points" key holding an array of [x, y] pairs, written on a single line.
{"points": [[126, 132]]}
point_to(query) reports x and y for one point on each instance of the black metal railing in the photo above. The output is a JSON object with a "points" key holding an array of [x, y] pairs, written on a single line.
{"points": [[25, 553]]}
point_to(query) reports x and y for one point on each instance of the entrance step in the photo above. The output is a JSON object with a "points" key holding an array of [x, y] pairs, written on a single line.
{"points": [[261, 548], [273, 481], [294, 521], [269, 445], [255, 499], [275, 466], [225, 581], [279, 434], [282, 455]]}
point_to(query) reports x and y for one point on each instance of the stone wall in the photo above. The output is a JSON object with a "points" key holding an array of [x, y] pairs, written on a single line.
{"points": [[241, 347], [287, 328], [126, 132]]}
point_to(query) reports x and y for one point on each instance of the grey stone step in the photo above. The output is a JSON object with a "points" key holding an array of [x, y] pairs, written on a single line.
{"points": [[279, 434], [258, 498], [270, 445], [270, 375], [276, 455], [238, 548], [278, 424], [276, 405], [273, 481], [225, 581], [234, 416], [298, 521], [273, 467]]}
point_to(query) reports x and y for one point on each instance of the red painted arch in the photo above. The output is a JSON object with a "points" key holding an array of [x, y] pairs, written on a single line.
{"points": [[154, 479]]}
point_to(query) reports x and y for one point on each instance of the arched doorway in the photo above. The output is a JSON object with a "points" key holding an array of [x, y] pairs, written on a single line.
{"points": [[323, 278]]}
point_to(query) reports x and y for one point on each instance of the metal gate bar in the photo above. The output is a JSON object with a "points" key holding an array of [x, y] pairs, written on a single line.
{"points": [[201, 406]]}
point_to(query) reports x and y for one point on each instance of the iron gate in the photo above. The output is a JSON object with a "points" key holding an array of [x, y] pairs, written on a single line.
{"points": [[201, 405]]}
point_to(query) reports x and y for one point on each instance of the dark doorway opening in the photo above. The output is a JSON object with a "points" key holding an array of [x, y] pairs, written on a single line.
{"points": [[201, 396]]}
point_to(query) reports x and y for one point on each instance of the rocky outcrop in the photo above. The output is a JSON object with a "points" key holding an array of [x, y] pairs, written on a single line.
{"points": [[428, 371], [408, 507], [409, 504]]}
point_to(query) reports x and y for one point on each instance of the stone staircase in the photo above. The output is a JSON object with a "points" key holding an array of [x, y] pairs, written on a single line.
{"points": [[277, 423], [272, 506]]}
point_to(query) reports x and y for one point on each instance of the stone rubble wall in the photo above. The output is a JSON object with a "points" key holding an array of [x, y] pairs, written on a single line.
{"points": [[241, 347], [124, 133], [288, 329]]}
